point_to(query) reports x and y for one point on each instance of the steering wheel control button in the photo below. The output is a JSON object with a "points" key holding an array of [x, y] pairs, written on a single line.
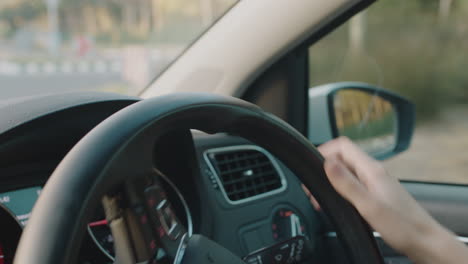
{"points": [[292, 251], [146, 229], [254, 260], [168, 226], [286, 224]]}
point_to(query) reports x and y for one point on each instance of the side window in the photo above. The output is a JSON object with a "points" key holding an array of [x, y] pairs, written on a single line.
{"points": [[418, 49]]}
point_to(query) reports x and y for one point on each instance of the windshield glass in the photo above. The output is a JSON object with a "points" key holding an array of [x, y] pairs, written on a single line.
{"points": [[49, 46]]}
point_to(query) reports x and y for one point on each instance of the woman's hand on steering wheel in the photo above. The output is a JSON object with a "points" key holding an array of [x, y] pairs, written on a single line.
{"points": [[387, 206]]}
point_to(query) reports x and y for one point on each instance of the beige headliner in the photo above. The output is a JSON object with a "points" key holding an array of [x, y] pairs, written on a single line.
{"points": [[248, 37]]}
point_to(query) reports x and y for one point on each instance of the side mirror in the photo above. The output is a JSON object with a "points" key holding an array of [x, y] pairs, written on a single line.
{"points": [[379, 121]]}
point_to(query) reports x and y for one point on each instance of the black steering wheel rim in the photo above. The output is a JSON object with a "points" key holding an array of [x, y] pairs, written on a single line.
{"points": [[100, 161]]}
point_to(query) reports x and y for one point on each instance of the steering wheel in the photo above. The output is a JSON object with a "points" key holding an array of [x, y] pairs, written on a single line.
{"points": [[121, 148]]}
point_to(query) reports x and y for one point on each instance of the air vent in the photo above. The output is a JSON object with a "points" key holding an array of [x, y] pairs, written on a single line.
{"points": [[245, 172]]}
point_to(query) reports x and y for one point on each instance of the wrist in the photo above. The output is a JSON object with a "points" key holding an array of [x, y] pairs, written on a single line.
{"points": [[437, 245]]}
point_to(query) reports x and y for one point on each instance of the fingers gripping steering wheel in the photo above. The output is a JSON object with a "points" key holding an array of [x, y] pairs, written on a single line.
{"points": [[121, 147]]}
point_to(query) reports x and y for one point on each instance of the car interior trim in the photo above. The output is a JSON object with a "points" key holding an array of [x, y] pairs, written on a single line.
{"points": [[231, 74]]}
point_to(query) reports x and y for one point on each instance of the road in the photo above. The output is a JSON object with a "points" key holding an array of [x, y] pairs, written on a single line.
{"points": [[439, 151], [127, 73], [27, 85]]}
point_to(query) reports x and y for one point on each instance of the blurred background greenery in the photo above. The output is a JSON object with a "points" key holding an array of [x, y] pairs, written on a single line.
{"points": [[414, 47], [114, 22]]}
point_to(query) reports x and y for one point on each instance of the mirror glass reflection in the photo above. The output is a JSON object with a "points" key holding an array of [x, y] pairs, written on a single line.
{"points": [[367, 119]]}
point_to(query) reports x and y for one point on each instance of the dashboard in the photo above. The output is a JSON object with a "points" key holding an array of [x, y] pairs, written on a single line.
{"points": [[220, 186], [241, 222], [239, 196]]}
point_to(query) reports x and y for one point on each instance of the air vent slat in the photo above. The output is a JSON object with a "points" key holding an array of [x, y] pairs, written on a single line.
{"points": [[260, 175], [241, 168], [245, 172]]}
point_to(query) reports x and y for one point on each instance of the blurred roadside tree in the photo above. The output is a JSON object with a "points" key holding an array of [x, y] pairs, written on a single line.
{"points": [[117, 21], [21, 13], [406, 48]]}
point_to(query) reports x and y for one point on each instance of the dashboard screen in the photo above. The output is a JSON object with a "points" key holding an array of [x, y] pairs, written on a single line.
{"points": [[21, 202]]}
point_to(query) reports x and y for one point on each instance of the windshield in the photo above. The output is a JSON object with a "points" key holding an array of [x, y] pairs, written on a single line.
{"points": [[49, 46]]}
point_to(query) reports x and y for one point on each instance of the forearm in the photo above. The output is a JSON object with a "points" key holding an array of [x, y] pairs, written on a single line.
{"points": [[438, 246], [388, 207]]}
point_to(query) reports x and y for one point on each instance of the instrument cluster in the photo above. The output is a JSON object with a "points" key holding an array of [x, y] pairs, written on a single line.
{"points": [[168, 219]]}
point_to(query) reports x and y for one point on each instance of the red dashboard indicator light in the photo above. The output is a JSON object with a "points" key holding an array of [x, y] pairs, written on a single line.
{"points": [[144, 219], [153, 244], [2, 257], [161, 231], [97, 223]]}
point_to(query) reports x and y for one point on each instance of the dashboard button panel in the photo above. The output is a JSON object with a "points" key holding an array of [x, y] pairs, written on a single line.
{"points": [[292, 251]]}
